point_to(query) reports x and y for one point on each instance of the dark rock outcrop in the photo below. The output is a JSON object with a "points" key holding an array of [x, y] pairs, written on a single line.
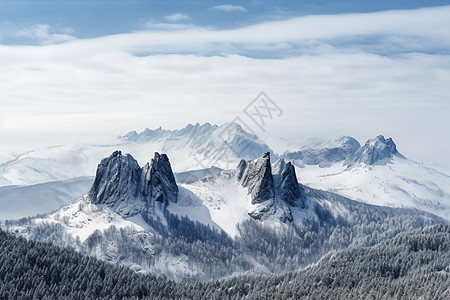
{"points": [[273, 190], [257, 177], [161, 180], [287, 184], [128, 189]]}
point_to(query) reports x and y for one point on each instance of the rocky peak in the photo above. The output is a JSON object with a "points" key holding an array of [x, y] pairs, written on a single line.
{"points": [[257, 177], [374, 150], [128, 189], [273, 189], [116, 183], [161, 179], [286, 183]]}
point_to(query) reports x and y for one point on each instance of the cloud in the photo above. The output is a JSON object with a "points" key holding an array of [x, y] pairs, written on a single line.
{"points": [[387, 33], [228, 8], [325, 72], [46, 34], [177, 17]]}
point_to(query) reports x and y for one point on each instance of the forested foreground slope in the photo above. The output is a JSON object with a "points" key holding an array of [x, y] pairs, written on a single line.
{"points": [[412, 265]]}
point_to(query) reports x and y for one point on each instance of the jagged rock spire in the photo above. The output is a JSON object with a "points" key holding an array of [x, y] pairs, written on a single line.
{"points": [[257, 177], [273, 190], [128, 189], [286, 183], [161, 179]]}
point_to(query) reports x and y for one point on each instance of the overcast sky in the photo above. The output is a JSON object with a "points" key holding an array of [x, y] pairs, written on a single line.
{"points": [[84, 71]]}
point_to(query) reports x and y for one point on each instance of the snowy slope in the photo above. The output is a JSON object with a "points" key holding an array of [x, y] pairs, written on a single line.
{"points": [[229, 203], [226, 200], [81, 218], [396, 182], [52, 164], [23, 201]]}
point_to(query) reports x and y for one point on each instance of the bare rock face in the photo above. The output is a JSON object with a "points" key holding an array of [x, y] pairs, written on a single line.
{"points": [[128, 189], [161, 180], [257, 177], [374, 150], [273, 190], [286, 183]]}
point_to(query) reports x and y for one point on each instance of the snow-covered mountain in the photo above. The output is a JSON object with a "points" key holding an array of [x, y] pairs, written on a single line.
{"points": [[373, 151], [377, 173], [324, 152], [193, 147], [130, 212], [201, 146], [373, 173], [255, 189], [394, 182]]}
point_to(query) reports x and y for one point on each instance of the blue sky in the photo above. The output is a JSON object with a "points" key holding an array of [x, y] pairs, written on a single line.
{"points": [[87, 19], [79, 71]]}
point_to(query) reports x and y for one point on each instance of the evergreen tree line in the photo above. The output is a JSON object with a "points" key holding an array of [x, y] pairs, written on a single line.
{"points": [[412, 265]]}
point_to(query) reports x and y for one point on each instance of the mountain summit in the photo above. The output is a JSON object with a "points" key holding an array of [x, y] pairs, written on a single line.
{"points": [[129, 189], [374, 150], [273, 189], [286, 182], [257, 177]]}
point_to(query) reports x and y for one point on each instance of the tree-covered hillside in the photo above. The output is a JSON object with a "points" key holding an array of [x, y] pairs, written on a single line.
{"points": [[412, 265]]}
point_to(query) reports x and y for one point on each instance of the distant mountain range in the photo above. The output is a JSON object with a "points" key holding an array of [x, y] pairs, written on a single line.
{"points": [[193, 147]]}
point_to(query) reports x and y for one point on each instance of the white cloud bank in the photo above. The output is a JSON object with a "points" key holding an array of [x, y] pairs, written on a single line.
{"points": [[422, 30], [325, 84]]}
